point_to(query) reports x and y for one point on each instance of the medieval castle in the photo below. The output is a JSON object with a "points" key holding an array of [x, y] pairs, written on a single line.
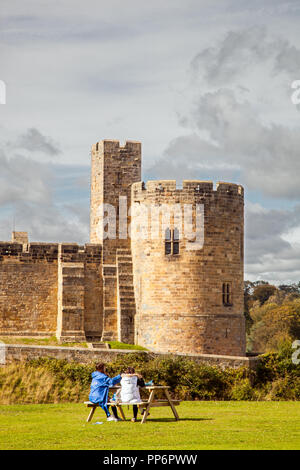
{"points": [[160, 292]]}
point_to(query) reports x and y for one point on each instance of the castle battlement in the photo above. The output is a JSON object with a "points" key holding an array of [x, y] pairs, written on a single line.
{"points": [[50, 252], [190, 189], [113, 146]]}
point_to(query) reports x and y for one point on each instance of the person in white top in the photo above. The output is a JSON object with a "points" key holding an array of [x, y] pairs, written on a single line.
{"points": [[130, 393]]}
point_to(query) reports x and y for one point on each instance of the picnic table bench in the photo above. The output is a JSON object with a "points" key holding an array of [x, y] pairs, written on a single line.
{"points": [[146, 405]]}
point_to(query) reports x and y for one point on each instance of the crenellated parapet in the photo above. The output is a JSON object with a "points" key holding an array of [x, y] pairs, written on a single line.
{"points": [[33, 252], [191, 189], [49, 252], [89, 253], [114, 146], [222, 206]]}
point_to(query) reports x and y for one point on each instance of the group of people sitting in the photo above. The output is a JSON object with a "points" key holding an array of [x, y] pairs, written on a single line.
{"points": [[128, 393]]}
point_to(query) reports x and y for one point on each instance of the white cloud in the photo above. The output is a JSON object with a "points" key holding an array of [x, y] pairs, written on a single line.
{"points": [[27, 193], [240, 126], [270, 253], [23, 179], [121, 70], [242, 50], [229, 114], [34, 141]]}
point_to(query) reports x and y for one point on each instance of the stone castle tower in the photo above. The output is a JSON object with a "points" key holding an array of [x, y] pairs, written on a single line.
{"points": [[162, 287], [188, 295], [188, 300], [114, 170]]}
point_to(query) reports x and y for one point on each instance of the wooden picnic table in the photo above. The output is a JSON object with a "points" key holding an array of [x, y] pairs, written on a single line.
{"points": [[146, 405]]}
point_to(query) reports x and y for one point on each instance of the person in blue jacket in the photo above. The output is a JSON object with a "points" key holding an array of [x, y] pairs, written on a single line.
{"points": [[99, 390]]}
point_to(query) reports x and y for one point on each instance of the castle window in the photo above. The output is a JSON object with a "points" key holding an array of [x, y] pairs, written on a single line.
{"points": [[226, 294], [168, 242], [171, 242], [175, 241]]}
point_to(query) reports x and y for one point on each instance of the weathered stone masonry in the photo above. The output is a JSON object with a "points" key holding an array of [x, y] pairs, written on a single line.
{"points": [[28, 288], [114, 170], [50, 289], [179, 297], [130, 289], [20, 352]]}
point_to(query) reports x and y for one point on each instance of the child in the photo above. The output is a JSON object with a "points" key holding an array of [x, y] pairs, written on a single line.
{"points": [[130, 384], [99, 390]]}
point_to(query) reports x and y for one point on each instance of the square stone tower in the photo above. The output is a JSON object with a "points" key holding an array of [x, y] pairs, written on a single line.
{"points": [[114, 170]]}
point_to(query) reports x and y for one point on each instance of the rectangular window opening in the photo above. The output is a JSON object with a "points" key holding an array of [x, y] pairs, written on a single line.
{"points": [[171, 242], [226, 294], [168, 248]]}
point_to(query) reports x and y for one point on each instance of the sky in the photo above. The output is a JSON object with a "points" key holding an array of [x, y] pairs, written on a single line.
{"points": [[205, 85]]}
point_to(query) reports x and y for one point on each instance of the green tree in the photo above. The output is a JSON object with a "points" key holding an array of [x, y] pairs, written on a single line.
{"points": [[263, 292], [248, 289], [274, 325]]}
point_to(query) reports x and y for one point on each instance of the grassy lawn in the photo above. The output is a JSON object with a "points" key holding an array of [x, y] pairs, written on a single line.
{"points": [[39, 341], [118, 345], [203, 425]]}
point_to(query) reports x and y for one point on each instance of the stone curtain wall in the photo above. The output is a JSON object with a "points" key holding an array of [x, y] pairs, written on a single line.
{"points": [[48, 289], [179, 297], [28, 288]]}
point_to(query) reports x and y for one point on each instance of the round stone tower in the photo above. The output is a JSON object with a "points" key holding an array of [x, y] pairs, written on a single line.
{"points": [[187, 252]]}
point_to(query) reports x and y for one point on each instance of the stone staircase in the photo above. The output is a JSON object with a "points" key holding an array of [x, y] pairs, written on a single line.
{"points": [[126, 300], [99, 345]]}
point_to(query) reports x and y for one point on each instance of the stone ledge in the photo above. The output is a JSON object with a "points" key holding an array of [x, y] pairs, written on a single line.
{"points": [[20, 352], [28, 334]]}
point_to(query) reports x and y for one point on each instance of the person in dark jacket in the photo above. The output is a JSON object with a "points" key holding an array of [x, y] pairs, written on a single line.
{"points": [[99, 390]]}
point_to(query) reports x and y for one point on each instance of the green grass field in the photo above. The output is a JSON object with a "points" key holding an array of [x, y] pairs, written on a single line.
{"points": [[203, 425]]}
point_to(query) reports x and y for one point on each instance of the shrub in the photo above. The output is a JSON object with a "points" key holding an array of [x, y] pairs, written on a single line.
{"points": [[285, 388], [275, 322], [243, 391], [48, 380]]}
